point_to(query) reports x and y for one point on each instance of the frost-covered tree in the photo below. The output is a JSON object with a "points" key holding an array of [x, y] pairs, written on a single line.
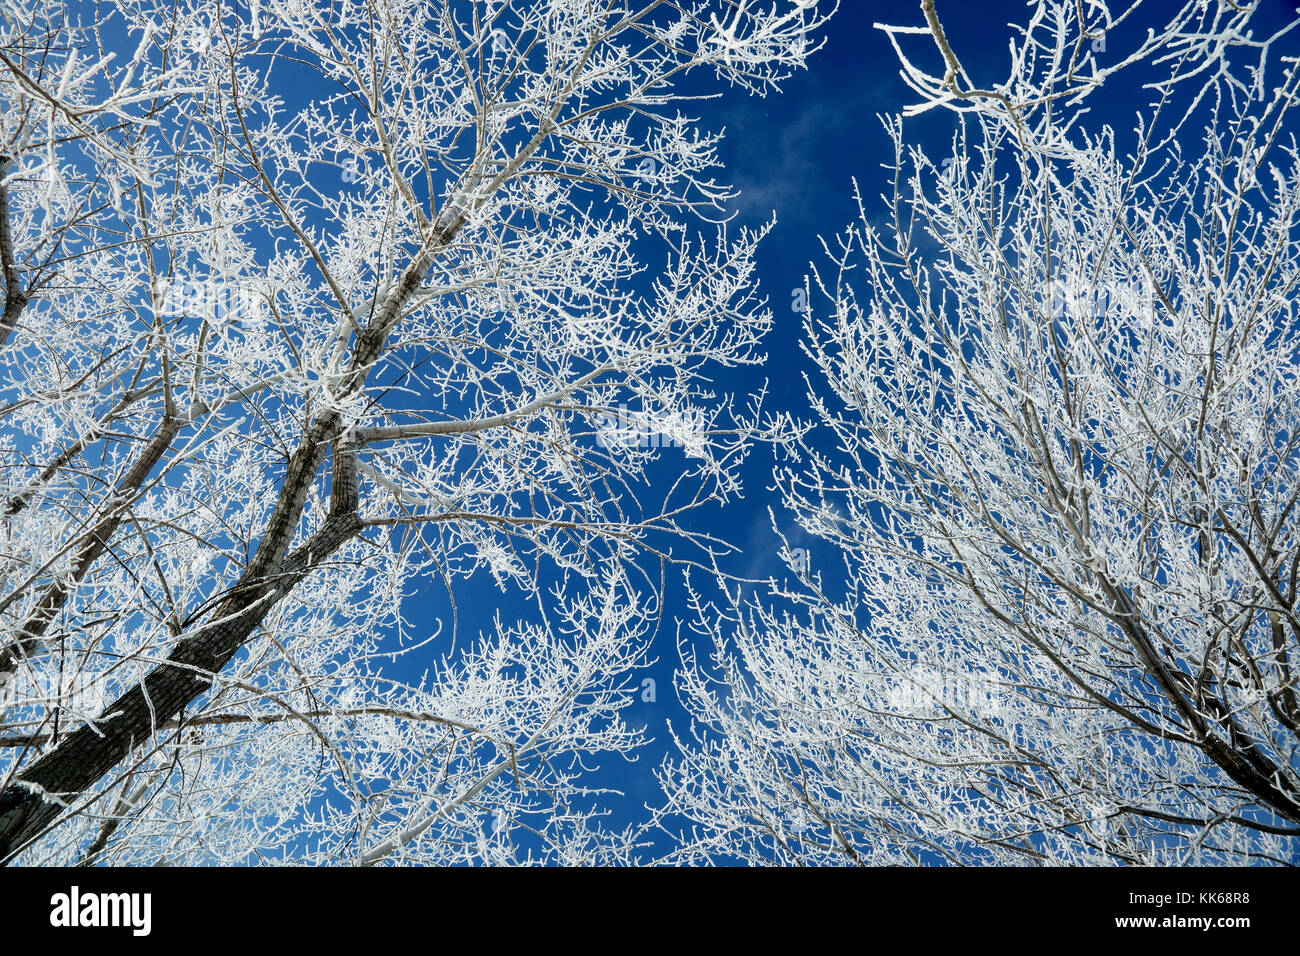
{"points": [[315, 305], [1054, 481]]}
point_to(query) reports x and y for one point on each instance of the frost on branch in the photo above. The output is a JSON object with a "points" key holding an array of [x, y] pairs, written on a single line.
{"points": [[313, 309], [1065, 50], [1057, 454]]}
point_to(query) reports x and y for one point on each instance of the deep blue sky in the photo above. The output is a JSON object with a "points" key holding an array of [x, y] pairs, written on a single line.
{"points": [[793, 155]]}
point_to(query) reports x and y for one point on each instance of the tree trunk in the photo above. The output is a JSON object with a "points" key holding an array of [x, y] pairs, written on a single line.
{"points": [[81, 759]]}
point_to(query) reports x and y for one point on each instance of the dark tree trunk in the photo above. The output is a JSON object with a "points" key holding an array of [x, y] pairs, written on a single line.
{"points": [[81, 759]]}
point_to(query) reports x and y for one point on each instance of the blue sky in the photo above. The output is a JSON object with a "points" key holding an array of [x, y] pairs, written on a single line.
{"points": [[793, 155]]}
